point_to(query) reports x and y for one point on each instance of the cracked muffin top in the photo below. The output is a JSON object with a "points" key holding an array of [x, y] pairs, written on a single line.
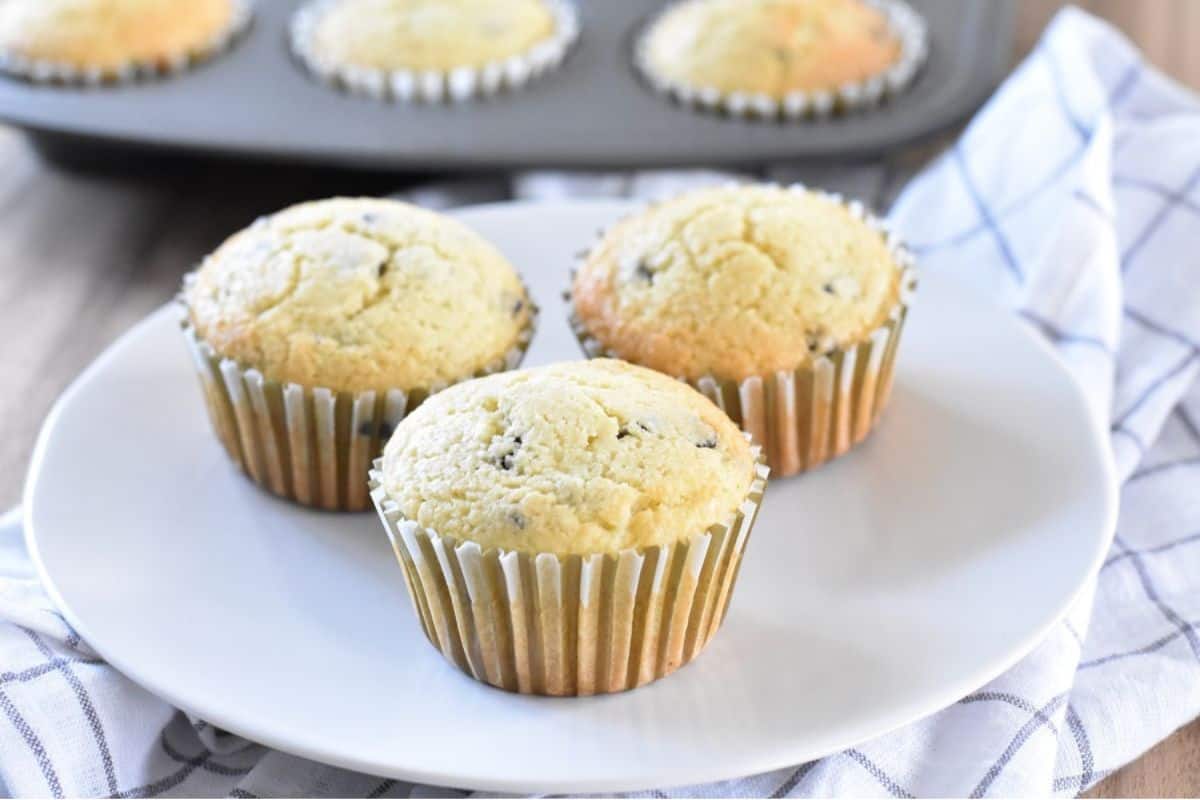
{"points": [[109, 35], [571, 458], [736, 281], [771, 47], [358, 294], [429, 34]]}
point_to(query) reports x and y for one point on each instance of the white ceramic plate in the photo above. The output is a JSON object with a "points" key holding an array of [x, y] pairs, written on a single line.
{"points": [[875, 590]]}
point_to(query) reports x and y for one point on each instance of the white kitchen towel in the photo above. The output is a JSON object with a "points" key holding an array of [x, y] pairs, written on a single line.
{"points": [[1074, 198]]}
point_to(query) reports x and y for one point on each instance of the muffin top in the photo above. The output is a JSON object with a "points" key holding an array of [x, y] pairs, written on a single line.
{"points": [[108, 35], [770, 47], [572, 458], [428, 34], [736, 281], [358, 294]]}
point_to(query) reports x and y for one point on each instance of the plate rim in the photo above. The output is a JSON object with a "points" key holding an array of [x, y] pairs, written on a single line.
{"points": [[772, 759]]}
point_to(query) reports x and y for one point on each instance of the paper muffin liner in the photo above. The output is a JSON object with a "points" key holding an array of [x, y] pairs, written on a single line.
{"points": [[816, 412], [907, 24], [548, 624], [432, 85], [52, 72], [310, 444]]}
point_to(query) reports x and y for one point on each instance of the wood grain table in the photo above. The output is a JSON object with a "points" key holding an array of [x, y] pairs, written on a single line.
{"points": [[85, 253]]}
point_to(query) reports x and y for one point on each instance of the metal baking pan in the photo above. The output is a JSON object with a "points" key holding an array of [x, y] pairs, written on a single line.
{"points": [[593, 111]]}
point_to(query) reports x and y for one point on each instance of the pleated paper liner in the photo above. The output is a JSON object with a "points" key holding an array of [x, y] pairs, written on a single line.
{"points": [[541, 623], [814, 413], [309, 444], [51, 72], [810, 415], [432, 85], [906, 24]]}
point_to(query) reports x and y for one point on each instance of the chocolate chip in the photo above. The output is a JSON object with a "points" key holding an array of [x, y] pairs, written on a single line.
{"points": [[507, 460], [517, 306], [819, 342], [708, 444], [627, 430], [643, 272], [518, 519], [843, 286], [368, 429]]}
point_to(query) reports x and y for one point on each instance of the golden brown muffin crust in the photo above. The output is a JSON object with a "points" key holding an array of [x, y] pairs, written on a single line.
{"points": [[735, 282], [771, 47], [572, 458], [429, 34], [109, 35], [359, 294]]}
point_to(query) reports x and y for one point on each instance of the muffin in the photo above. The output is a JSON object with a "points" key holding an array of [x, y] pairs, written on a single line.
{"points": [[317, 329], [93, 41], [790, 58], [783, 306], [569, 529], [432, 50]]}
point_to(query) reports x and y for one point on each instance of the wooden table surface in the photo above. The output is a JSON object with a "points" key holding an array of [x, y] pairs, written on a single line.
{"points": [[84, 254]]}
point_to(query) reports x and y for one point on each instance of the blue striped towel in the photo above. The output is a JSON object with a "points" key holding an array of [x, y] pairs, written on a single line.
{"points": [[1074, 198]]}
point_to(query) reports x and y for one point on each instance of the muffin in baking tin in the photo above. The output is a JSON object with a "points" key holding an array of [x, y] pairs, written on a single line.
{"points": [[98, 41], [782, 58], [432, 50]]}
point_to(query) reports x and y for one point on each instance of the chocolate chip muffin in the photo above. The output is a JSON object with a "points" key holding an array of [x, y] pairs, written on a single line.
{"points": [[596, 488], [104, 40], [318, 328], [789, 57], [430, 50], [782, 305]]}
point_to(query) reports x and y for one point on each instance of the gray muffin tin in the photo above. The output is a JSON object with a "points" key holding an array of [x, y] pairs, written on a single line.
{"points": [[593, 111]]}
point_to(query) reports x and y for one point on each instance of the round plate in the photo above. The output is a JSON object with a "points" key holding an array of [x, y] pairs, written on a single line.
{"points": [[875, 590]]}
